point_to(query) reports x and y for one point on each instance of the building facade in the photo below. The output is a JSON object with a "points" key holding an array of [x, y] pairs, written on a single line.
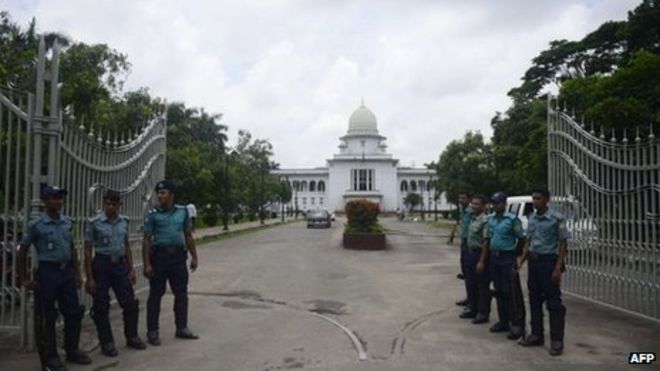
{"points": [[362, 169]]}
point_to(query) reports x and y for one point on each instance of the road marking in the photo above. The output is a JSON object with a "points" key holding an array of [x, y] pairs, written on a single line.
{"points": [[362, 354]]}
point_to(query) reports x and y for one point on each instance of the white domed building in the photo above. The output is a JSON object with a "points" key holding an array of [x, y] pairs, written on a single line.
{"points": [[363, 169]]}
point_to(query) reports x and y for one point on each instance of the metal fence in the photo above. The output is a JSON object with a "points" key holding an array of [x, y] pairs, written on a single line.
{"points": [[37, 148], [609, 191], [15, 146]]}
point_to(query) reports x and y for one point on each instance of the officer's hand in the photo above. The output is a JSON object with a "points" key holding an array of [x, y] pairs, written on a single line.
{"points": [[148, 271], [556, 276], [480, 267], [131, 276], [193, 264], [30, 285], [90, 287]]}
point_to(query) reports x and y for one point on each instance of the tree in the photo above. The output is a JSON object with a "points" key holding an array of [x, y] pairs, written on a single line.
{"points": [[467, 165], [412, 200]]}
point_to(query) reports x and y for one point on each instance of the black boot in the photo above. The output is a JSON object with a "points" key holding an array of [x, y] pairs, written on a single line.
{"points": [[109, 349], [185, 333], [531, 340], [46, 338], [557, 316], [104, 331], [53, 364], [462, 303], [72, 326], [131, 315]]}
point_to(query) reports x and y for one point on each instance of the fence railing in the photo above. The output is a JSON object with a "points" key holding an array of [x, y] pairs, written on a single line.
{"points": [[609, 190]]}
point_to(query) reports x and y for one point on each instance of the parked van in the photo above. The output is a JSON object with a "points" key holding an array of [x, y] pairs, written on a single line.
{"points": [[578, 221], [522, 207]]}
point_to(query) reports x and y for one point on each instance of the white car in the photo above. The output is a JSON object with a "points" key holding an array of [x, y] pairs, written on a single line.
{"points": [[578, 220]]}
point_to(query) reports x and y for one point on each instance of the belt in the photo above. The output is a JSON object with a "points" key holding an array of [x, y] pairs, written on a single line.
{"points": [[536, 256], [499, 253], [115, 260], [59, 265], [169, 250]]}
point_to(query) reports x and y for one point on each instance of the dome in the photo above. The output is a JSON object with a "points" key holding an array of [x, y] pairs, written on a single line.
{"points": [[362, 121]]}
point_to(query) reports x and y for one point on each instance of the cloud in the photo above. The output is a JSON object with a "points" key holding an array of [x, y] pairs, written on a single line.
{"points": [[293, 71]]}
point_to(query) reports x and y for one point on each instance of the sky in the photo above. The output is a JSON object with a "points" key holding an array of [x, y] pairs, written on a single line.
{"points": [[292, 71]]}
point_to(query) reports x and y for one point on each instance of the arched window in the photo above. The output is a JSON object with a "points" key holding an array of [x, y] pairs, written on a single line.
{"points": [[312, 186], [296, 185], [303, 186], [413, 186], [422, 186], [321, 186], [404, 186]]}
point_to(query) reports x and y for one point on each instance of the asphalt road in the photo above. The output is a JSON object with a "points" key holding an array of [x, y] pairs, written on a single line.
{"points": [[289, 298]]}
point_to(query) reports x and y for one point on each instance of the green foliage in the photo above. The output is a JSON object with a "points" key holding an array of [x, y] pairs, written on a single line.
{"points": [[467, 165], [630, 97], [412, 200], [362, 217], [519, 146]]}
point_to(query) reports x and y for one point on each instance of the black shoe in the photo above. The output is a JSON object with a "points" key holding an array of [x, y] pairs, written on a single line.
{"points": [[185, 333], [467, 315], [514, 335], [462, 303], [109, 350], [480, 318], [54, 364], [79, 357], [499, 327], [152, 338], [460, 276], [531, 341], [556, 348], [136, 343]]}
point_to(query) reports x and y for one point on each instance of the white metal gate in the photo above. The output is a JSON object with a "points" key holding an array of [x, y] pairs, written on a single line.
{"points": [[609, 190], [37, 149]]}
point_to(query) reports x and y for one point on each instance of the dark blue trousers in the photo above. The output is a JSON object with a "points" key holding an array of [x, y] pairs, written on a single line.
{"points": [[113, 275], [477, 283], [168, 268], [542, 289], [464, 250], [57, 284], [501, 265]]}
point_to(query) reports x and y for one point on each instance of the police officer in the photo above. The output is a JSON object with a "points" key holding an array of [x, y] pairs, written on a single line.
{"points": [[476, 264], [167, 240], [56, 280], [545, 249], [505, 234], [106, 234], [464, 219]]}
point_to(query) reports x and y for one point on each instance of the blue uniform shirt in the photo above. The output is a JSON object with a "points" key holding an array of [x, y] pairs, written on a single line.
{"points": [[504, 231], [107, 235], [51, 237], [545, 231], [168, 227], [465, 218]]}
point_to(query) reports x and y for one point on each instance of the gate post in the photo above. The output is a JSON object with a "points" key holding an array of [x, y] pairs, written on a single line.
{"points": [[46, 128]]}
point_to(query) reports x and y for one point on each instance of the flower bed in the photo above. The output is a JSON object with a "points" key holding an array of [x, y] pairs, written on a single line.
{"points": [[362, 230]]}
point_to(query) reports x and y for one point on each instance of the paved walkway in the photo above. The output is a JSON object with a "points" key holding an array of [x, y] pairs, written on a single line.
{"points": [[291, 298], [218, 231]]}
